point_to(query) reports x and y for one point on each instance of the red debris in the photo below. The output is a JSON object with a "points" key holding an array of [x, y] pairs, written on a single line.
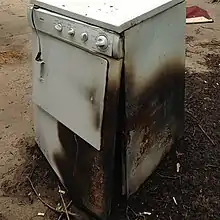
{"points": [[195, 14], [195, 11]]}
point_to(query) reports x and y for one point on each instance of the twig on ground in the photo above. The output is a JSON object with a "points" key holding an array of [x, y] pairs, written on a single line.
{"points": [[168, 177], [33, 169], [174, 199], [200, 127], [46, 204], [212, 166], [138, 216], [64, 205], [128, 207], [127, 215], [62, 214]]}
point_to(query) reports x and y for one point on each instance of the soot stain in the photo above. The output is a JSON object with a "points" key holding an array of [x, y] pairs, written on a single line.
{"points": [[159, 107], [162, 97], [91, 185], [91, 94]]}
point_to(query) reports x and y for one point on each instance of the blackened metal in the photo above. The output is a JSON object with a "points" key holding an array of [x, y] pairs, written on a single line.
{"points": [[119, 201], [155, 116], [121, 138], [162, 97], [91, 95], [91, 186], [153, 113]]}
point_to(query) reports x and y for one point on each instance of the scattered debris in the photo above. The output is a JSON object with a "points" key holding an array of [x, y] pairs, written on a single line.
{"points": [[64, 205], [46, 204], [59, 207], [144, 213], [61, 191], [174, 199], [62, 214], [179, 154], [41, 214], [200, 127], [195, 14], [178, 167], [167, 177], [140, 215], [207, 99]]}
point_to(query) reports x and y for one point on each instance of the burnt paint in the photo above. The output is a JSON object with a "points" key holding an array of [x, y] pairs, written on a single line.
{"points": [[163, 94], [91, 97], [161, 101], [91, 186], [156, 114]]}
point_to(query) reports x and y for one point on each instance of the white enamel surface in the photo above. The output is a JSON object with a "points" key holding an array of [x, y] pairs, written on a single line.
{"points": [[117, 15], [73, 87]]}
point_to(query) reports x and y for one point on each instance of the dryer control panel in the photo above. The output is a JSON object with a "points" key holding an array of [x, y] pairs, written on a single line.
{"points": [[78, 33]]}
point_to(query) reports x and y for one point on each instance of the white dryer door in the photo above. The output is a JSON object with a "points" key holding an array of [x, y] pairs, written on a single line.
{"points": [[70, 86]]}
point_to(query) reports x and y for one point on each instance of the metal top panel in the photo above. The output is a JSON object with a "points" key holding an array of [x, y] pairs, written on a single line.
{"points": [[114, 15]]}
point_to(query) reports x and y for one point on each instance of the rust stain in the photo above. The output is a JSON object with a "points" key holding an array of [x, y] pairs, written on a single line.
{"points": [[97, 186], [155, 116], [145, 144], [10, 57]]}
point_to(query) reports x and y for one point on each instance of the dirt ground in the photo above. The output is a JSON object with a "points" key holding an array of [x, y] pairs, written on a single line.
{"points": [[193, 193]]}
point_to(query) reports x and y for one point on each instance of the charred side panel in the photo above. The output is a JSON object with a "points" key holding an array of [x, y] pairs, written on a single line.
{"points": [[154, 120], [88, 173], [154, 81]]}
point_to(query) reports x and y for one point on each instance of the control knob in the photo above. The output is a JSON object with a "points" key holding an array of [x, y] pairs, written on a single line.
{"points": [[71, 32], [58, 27], [84, 37], [102, 42]]}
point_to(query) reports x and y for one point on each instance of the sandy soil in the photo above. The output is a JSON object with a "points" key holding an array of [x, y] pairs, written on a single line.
{"points": [[196, 188], [16, 126]]}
